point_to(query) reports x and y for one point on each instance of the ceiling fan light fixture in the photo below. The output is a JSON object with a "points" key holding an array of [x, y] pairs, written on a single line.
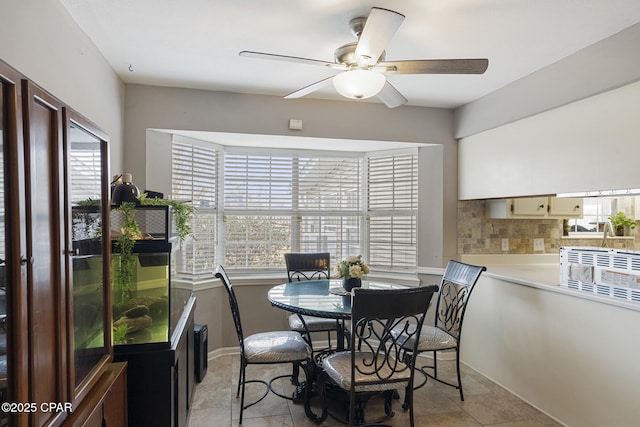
{"points": [[359, 84]]}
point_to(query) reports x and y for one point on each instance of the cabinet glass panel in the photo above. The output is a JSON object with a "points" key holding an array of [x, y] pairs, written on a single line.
{"points": [[3, 257], [85, 185]]}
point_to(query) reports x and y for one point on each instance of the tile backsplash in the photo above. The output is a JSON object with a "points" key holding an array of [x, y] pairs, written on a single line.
{"points": [[478, 234]]}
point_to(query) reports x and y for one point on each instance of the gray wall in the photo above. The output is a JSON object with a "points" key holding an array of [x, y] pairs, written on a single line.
{"points": [[40, 40]]}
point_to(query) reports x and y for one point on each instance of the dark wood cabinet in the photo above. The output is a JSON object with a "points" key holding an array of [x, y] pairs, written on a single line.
{"points": [[55, 299]]}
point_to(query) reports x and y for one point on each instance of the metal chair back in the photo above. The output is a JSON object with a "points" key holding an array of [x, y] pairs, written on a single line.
{"points": [[457, 284], [221, 274], [308, 266]]}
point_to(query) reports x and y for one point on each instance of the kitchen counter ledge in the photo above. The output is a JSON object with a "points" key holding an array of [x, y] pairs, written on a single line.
{"points": [[538, 271]]}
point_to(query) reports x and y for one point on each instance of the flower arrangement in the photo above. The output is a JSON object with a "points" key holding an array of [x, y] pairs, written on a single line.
{"points": [[352, 267]]}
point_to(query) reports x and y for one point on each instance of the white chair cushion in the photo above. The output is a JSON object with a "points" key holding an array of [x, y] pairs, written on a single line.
{"points": [[275, 347], [338, 367], [314, 324], [432, 338]]}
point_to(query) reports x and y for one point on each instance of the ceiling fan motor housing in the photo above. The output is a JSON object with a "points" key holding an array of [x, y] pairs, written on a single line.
{"points": [[345, 54]]}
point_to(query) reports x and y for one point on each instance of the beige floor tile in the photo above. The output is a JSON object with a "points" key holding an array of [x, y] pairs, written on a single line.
{"points": [[435, 404]]}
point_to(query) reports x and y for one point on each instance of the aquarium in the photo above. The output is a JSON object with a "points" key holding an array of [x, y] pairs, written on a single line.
{"points": [[146, 304]]}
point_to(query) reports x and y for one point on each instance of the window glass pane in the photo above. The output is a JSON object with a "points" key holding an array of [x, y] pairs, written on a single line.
{"points": [[256, 242], [338, 235]]}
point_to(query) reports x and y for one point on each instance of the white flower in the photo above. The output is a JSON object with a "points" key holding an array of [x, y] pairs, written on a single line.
{"points": [[352, 267], [355, 271]]}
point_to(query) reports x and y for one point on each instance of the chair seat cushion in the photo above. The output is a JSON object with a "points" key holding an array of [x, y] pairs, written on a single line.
{"points": [[338, 367], [314, 324], [432, 339], [276, 347]]}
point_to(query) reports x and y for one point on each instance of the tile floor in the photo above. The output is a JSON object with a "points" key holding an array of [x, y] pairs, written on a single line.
{"points": [[486, 404]]}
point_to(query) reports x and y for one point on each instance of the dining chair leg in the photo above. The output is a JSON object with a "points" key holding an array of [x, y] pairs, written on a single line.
{"points": [[409, 401], [244, 366], [240, 378], [295, 374], [435, 364], [459, 378]]}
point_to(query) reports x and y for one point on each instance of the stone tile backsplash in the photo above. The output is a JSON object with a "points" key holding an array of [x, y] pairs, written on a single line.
{"points": [[478, 234]]}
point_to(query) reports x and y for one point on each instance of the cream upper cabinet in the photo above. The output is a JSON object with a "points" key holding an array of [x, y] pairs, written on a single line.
{"points": [[565, 207], [530, 206], [534, 207]]}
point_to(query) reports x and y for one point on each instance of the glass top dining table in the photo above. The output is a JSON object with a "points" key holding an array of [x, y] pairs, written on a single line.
{"points": [[319, 298]]}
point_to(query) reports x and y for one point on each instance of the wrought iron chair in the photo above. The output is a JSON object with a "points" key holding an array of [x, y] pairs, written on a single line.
{"points": [[456, 286], [381, 362], [310, 266], [265, 348]]}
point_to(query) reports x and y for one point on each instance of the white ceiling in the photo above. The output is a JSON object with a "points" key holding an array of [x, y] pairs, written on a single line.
{"points": [[195, 43]]}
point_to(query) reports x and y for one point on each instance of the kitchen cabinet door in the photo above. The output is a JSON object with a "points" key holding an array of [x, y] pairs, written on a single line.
{"points": [[530, 206], [568, 207]]}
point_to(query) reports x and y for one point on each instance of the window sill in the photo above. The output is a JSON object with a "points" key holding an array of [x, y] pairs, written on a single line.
{"points": [[596, 237]]}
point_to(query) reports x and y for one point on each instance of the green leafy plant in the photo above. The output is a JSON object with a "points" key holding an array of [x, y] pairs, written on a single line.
{"points": [[119, 333], [124, 246], [619, 221], [181, 211]]}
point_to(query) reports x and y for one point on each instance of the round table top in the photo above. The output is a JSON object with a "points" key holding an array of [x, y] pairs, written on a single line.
{"points": [[319, 298]]}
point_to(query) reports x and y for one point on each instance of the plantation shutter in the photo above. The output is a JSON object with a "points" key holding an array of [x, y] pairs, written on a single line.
{"points": [[329, 205], [194, 178], [392, 207]]}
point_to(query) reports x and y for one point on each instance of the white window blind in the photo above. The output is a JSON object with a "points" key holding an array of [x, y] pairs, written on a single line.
{"points": [[85, 166], [392, 207], [195, 178]]}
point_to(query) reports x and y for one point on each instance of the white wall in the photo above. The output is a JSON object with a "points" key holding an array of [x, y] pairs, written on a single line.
{"points": [[40, 40], [590, 144], [573, 358]]}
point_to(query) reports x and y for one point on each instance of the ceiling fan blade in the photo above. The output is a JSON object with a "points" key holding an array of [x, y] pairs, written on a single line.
{"points": [[308, 89], [390, 96], [276, 57], [378, 31], [436, 66]]}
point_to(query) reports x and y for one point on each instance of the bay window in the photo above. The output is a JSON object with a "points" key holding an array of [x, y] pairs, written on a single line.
{"points": [[255, 204]]}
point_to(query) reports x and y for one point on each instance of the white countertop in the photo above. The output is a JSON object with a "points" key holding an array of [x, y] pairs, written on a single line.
{"points": [[537, 271]]}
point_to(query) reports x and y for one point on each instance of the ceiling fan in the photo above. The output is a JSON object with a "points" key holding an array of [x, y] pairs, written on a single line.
{"points": [[363, 62]]}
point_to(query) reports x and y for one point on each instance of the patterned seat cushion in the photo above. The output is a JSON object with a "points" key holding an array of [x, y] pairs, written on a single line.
{"points": [[275, 347], [313, 323], [431, 339], [338, 367]]}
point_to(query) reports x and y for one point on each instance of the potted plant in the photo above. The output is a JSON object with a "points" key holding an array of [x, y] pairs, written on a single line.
{"points": [[351, 271], [620, 222]]}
